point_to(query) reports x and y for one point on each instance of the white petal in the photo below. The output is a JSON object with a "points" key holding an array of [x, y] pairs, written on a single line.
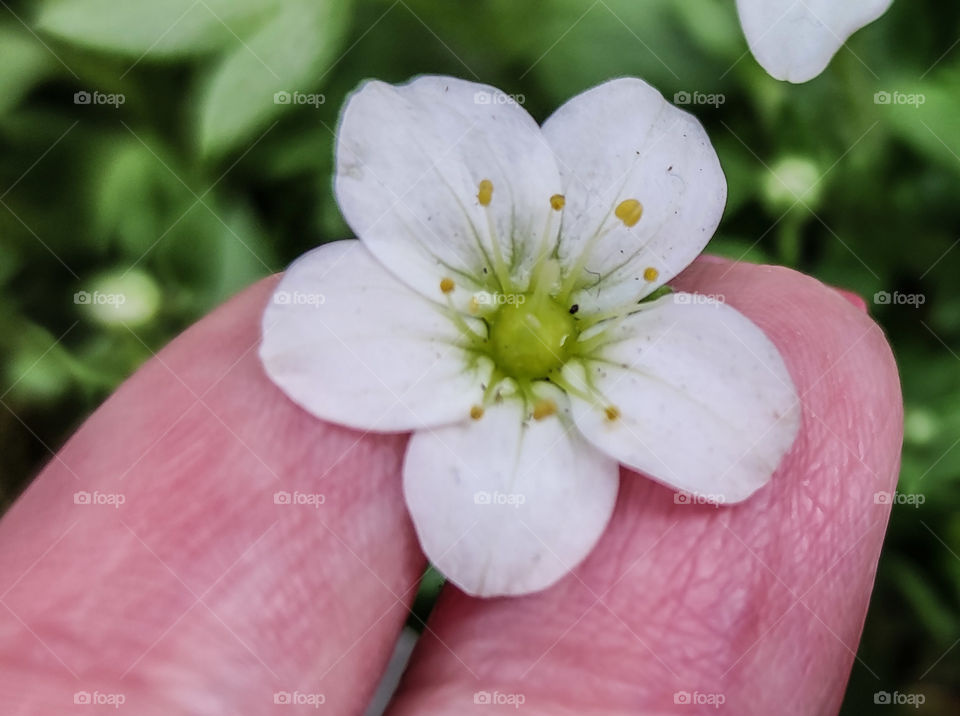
{"points": [[410, 159], [795, 39], [706, 403], [504, 506], [351, 344], [619, 141]]}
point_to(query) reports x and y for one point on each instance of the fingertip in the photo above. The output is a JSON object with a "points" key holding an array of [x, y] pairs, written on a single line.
{"points": [[855, 299]]}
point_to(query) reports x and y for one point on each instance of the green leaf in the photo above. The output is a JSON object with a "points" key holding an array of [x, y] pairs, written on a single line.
{"points": [[137, 198], [139, 27], [931, 609], [25, 61], [713, 26], [925, 115], [286, 55]]}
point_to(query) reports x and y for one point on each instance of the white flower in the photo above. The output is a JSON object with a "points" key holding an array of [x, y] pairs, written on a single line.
{"points": [[491, 305], [795, 39]]}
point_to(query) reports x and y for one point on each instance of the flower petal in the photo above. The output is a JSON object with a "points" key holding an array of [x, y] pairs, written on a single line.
{"points": [[795, 39], [506, 506], [623, 141], [351, 344], [410, 160], [705, 402]]}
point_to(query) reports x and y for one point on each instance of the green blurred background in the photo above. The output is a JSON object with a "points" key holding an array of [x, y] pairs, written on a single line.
{"points": [[182, 180]]}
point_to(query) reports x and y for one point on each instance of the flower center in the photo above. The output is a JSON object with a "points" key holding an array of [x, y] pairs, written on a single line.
{"points": [[531, 337]]}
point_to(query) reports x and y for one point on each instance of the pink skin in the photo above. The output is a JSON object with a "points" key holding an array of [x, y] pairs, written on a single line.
{"points": [[200, 595]]}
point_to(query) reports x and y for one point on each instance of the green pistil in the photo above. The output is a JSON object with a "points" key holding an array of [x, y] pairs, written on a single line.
{"points": [[531, 337]]}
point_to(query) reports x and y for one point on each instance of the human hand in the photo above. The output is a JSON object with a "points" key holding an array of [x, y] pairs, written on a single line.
{"points": [[199, 594]]}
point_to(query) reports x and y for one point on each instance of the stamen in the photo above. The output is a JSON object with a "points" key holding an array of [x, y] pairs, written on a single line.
{"points": [[537, 279], [612, 412], [544, 409], [473, 306], [629, 211], [650, 274], [500, 268], [485, 193], [476, 412], [446, 285]]}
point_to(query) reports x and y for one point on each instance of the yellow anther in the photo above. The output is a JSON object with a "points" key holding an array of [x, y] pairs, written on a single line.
{"points": [[446, 285], [485, 193], [473, 306], [544, 409], [629, 211], [650, 274], [557, 201], [612, 412], [476, 412]]}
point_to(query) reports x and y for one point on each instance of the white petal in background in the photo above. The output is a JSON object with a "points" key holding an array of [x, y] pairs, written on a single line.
{"points": [[706, 403], [795, 39], [504, 507], [351, 344], [410, 159], [622, 140]]}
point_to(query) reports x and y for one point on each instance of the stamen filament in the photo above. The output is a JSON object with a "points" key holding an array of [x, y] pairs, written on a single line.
{"points": [[557, 202], [500, 268], [615, 318], [628, 212], [580, 264], [565, 385], [475, 341]]}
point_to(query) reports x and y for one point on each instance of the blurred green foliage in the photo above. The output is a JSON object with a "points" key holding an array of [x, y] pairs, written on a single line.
{"points": [[200, 181]]}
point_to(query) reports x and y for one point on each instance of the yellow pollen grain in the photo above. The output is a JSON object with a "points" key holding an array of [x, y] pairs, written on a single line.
{"points": [[557, 201], [629, 211], [612, 412], [544, 409], [476, 412], [446, 285], [485, 192], [650, 274]]}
